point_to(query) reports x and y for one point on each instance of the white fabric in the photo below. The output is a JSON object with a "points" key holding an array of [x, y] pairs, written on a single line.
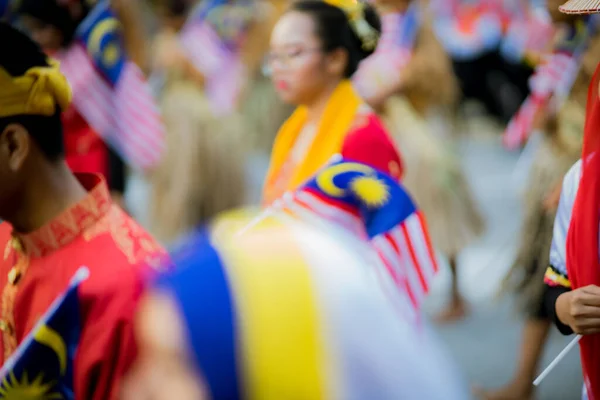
{"points": [[558, 250], [396, 361]]}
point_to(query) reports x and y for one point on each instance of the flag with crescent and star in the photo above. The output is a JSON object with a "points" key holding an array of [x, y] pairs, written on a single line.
{"points": [[371, 204], [111, 92], [42, 366]]}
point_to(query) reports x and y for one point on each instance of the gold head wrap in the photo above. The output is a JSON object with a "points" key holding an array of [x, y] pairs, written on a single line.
{"points": [[355, 10], [38, 92]]}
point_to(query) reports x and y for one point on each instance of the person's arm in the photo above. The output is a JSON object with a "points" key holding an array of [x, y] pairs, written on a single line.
{"points": [[573, 311], [429, 71], [556, 277], [131, 17]]}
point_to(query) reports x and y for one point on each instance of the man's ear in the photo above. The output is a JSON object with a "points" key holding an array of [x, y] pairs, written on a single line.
{"points": [[14, 145]]}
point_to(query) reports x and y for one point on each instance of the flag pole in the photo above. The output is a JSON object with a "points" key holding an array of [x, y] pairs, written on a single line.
{"points": [[279, 204], [555, 362]]}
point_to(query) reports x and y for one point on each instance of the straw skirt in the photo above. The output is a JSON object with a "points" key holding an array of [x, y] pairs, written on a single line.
{"points": [[434, 177], [552, 160]]}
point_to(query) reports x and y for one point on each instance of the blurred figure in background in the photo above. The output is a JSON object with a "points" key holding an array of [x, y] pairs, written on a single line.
{"points": [[221, 46], [561, 124], [202, 173], [418, 99], [472, 33], [316, 48], [295, 313]]}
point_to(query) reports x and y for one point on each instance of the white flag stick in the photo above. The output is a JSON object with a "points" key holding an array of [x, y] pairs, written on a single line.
{"points": [[278, 204], [555, 362]]}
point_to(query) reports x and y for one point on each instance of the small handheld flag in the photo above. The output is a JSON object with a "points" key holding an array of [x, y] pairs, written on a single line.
{"points": [[111, 92], [553, 77], [373, 205], [212, 37], [42, 366]]}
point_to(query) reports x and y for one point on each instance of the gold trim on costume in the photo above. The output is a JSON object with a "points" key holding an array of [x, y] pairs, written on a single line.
{"points": [[71, 223]]}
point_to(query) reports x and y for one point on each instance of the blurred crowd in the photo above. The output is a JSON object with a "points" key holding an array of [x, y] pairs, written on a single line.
{"points": [[301, 189]]}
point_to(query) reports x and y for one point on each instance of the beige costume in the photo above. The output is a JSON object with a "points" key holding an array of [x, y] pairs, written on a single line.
{"points": [[559, 150], [421, 120]]}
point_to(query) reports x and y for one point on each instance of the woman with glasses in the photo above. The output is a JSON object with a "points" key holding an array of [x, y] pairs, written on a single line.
{"points": [[316, 47], [410, 81]]}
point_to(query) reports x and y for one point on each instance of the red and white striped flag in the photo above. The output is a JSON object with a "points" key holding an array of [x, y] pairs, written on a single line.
{"points": [[394, 227], [111, 92], [213, 56], [553, 77]]}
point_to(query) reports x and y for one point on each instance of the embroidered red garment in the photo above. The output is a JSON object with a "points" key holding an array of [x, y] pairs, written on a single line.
{"points": [[37, 267], [85, 151], [583, 264]]}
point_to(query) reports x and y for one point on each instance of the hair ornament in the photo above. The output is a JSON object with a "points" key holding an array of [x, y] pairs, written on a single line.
{"points": [[355, 11]]}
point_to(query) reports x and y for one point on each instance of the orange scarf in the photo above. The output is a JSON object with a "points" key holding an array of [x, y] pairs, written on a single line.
{"points": [[334, 126]]}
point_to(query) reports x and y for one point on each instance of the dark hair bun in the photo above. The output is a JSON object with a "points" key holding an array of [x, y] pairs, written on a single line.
{"points": [[18, 53], [335, 31]]}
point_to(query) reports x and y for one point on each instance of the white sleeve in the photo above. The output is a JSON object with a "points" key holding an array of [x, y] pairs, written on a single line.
{"points": [[558, 252]]}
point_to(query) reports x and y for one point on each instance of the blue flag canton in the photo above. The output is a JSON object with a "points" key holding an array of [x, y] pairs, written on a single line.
{"points": [[101, 34], [381, 201], [42, 367]]}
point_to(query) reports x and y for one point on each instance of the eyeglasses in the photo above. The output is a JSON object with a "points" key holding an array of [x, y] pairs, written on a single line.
{"points": [[285, 59]]}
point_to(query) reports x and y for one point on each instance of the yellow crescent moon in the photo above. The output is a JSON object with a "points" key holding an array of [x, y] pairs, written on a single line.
{"points": [[50, 338], [103, 28], [325, 178]]}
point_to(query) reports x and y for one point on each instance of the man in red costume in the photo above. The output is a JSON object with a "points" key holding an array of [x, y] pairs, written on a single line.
{"points": [[573, 277], [52, 24], [57, 222]]}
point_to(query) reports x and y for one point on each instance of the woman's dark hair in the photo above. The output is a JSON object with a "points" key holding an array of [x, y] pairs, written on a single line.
{"points": [[52, 13], [335, 31], [18, 53]]}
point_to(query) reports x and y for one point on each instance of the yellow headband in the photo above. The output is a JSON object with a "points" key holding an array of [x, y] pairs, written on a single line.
{"points": [[38, 92], [355, 10]]}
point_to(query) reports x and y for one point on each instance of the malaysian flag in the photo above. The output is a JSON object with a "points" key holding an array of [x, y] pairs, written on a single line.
{"points": [[553, 77], [111, 92], [211, 38], [43, 364], [372, 205]]}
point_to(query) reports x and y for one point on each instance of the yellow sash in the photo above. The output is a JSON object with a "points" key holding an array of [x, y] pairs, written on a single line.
{"points": [[334, 126]]}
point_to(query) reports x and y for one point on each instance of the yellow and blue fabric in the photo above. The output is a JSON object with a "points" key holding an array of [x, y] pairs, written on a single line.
{"points": [[42, 366], [288, 311]]}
